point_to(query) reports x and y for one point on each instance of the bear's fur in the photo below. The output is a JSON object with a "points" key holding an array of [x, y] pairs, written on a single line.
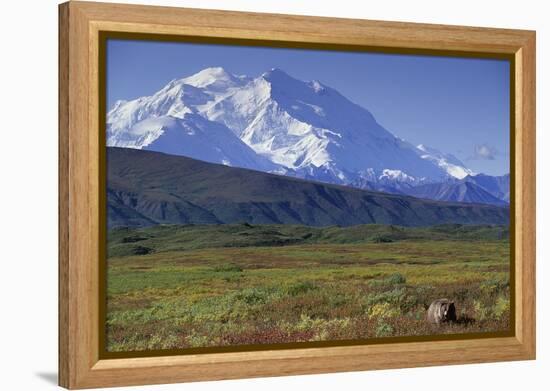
{"points": [[441, 311]]}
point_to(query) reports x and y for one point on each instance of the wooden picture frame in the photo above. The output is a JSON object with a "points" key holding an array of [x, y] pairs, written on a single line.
{"points": [[80, 25]]}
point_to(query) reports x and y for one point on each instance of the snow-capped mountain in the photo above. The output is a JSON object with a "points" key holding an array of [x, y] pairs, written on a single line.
{"points": [[196, 137], [450, 163], [279, 124], [176, 99]]}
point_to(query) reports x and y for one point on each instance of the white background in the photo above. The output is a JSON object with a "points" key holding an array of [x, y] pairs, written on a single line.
{"points": [[28, 229]]}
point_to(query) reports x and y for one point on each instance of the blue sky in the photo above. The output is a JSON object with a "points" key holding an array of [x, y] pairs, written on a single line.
{"points": [[457, 105]]}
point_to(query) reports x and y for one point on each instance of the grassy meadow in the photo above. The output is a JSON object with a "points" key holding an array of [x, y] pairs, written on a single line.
{"points": [[183, 286]]}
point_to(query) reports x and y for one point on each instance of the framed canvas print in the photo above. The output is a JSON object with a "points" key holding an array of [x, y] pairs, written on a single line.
{"points": [[247, 195]]}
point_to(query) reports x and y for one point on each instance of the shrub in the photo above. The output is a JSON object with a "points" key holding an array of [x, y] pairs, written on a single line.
{"points": [[196, 340], [383, 330], [319, 328], [377, 283], [301, 288], [501, 307], [395, 296], [396, 279], [481, 311], [382, 239], [383, 310], [393, 279], [252, 296], [141, 250], [494, 286], [228, 267]]}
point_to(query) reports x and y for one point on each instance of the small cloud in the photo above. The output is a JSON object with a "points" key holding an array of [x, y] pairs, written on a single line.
{"points": [[484, 152]]}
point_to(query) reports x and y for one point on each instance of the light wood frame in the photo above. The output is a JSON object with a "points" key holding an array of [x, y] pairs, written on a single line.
{"points": [[80, 365]]}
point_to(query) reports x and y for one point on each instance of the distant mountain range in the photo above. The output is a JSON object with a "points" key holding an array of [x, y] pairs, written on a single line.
{"points": [[459, 191], [277, 124], [147, 188]]}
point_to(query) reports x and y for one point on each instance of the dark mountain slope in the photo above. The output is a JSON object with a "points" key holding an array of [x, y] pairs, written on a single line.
{"points": [[146, 188]]}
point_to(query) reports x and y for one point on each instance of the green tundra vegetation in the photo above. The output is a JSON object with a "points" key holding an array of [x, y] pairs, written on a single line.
{"points": [[183, 286]]}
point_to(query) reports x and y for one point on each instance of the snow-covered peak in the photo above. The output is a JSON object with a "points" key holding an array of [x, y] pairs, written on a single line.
{"points": [[301, 128], [292, 86], [450, 163], [117, 104], [207, 76], [276, 74], [215, 78], [396, 175], [175, 99], [282, 81]]}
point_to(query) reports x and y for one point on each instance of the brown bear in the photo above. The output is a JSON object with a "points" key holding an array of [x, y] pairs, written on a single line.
{"points": [[441, 311]]}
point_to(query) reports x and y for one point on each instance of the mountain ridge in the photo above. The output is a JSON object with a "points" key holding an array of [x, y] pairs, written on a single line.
{"points": [[147, 188]]}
